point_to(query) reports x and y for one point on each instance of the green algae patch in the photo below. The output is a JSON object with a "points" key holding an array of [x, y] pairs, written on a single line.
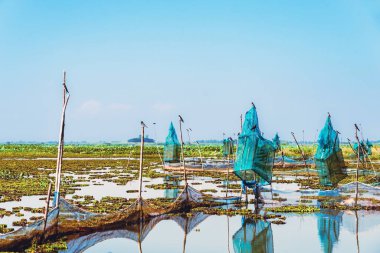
{"points": [[293, 209]]}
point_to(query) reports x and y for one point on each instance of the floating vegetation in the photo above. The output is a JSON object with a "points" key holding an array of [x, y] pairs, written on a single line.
{"points": [[209, 190], [4, 229], [20, 223], [48, 247], [293, 209]]}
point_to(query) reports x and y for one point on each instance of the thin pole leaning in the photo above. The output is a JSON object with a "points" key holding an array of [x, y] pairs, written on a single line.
{"points": [[158, 150], [302, 153], [141, 159], [47, 207], [357, 166], [182, 152], [200, 154], [66, 96]]}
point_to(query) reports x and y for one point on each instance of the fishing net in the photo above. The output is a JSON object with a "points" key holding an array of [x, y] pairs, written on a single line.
{"points": [[172, 148], [255, 155], [364, 150], [276, 143], [191, 198], [362, 187], [329, 158], [253, 236], [228, 147], [329, 222], [26, 234]]}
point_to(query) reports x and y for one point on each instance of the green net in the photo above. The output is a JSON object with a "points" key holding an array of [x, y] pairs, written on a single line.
{"points": [[276, 142], [328, 158], [255, 155], [172, 148], [228, 147], [365, 148]]}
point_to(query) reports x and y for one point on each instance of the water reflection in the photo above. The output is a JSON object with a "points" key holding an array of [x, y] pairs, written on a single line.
{"points": [[136, 232], [329, 223], [254, 236]]}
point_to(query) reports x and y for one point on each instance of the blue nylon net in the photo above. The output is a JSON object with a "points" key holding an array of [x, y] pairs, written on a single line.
{"points": [[172, 146], [276, 142], [255, 155], [329, 158], [365, 148], [228, 147]]}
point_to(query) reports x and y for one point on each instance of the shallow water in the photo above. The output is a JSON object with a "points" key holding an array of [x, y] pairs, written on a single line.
{"points": [[320, 232]]}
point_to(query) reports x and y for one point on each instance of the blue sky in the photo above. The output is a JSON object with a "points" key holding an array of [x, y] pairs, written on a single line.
{"points": [[206, 60]]}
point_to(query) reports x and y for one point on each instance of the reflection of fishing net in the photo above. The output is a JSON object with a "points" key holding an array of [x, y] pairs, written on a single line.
{"points": [[189, 223], [253, 236], [26, 234], [136, 232], [255, 155], [329, 222], [172, 148], [328, 158]]}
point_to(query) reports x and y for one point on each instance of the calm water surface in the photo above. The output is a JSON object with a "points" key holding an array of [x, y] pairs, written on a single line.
{"points": [[320, 232]]}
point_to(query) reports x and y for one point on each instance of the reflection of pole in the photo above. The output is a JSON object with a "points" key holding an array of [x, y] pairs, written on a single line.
{"points": [[357, 231], [141, 158], [185, 237], [139, 236], [182, 152], [228, 234]]}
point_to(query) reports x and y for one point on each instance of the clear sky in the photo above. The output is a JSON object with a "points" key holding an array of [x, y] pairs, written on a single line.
{"points": [[206, 60]]}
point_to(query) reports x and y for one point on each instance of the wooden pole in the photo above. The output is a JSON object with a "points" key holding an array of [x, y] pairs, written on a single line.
{"points": [[158, 150], [141, 158], [182, 152], [241, 123], [200, 154], [302, 153], [357, 166], [47, 207], [66, 96]]}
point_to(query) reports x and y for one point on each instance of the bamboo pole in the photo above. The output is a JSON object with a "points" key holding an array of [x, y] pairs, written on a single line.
{"points": [[66, 96], [302, 153], [357, 166], [141, 158], [47, 207], [182, 152], [200, 154], [158, 150]]}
